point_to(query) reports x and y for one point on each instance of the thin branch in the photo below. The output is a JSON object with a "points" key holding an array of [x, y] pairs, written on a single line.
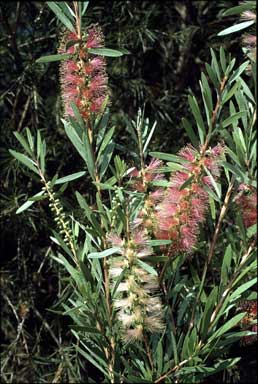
{"points": [[148, 351]]}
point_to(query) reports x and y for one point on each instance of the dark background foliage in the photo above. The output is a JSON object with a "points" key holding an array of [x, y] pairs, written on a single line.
{"points": [[169, 43]]}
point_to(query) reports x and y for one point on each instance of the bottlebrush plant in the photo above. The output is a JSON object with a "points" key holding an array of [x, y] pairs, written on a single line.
{"points": [[161, 256]]}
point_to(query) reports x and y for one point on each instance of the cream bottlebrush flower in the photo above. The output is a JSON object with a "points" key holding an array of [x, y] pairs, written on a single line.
{"points": [[138, 309], [182, 210], [146, 218], [247, 203], [83, 76]]}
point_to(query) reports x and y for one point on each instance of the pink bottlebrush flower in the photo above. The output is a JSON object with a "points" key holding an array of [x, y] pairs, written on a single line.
{"points": [[95, 38], [150, 174], [134, 172], [181, 211], [249, 40], [115, 240], [139, 238], [247, 202], [83, 77], [96, 106], [156, 196], [248, 15], [250, 306], [188, 153]]}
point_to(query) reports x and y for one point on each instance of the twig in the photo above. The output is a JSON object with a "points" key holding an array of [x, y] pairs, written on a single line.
{"points": [[24, 112], [148, 351], [172, 370]]}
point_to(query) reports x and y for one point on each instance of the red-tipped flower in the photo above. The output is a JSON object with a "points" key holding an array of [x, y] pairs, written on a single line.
{"points": [[250, 306], [183, 209], [247, 203], [83, 76]]}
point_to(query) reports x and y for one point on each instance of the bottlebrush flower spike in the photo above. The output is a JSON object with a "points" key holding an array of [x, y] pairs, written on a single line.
{"points": [[83, 76], [182, 210], [139, 309], [247, 203], [250, 306], [149, 174]]}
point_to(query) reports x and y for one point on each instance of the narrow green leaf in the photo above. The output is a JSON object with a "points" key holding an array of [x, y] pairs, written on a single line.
{"points": [[157, 243], [105, 253], [207, 92], [246, 90], [212, 207], [67, 10], [215, 65], [28, 203], [160, 183], [234, 169], [212, 75], [91, 359], [61, 16], [70, 269], [42, 156], [30, 139], [230, 67], [105, 141], [25, 160], [39, 144], [75, 139], [236, 28], [71, 177], [84, 7], [227, 326], [59, 241], [173, 167], [88, 155], [209, 306], [104, 186], [23, 142], [238, 9], [238, 72], [52, 58], [241, 138], [215, 184], [251, 231], [83, 204], [105, 52], [149, 137], [159, 357], [189, 130], [223, 62], [186, 183], [198, 117], [168, 157], [211, 193], [147, 267], [243, 288], [228, 94], [105, 158], [233, 118], [225, 269]]}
